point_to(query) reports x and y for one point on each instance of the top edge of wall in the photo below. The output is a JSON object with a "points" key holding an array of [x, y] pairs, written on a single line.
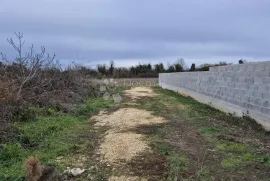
{"points": [[252, 66]]}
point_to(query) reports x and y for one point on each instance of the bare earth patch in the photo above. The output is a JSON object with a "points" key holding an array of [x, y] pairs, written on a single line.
{"points": [[127, 118], [139, 92], [124, 178], [121, 144], [197, 143]]}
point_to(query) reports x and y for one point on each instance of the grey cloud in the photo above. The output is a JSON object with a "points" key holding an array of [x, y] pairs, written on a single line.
{"points": [[138, 29]]}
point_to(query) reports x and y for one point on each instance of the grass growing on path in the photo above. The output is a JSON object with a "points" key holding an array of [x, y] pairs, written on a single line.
{"points": [[48, 138], [203, 143]]}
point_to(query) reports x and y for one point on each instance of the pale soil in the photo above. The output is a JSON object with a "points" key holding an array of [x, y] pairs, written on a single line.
{"points": [[139, 92], [120, 143], [125, 178]]}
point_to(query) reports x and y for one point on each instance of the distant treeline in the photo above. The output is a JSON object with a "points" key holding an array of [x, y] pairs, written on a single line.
{"points": [[148, 69]]}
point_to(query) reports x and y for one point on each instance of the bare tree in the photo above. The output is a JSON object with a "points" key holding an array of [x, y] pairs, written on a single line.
{"points": [[181, 62], [28, 64]]}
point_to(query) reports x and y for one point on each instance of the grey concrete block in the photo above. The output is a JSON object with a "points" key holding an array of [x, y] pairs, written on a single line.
{"points": [[250, 67], [266, 80], [245, 98], [265, 110], [240, 91], [266, 96], [241, 85], [243, 68], [256, 94], [263, 88], [260, 67], [266, 65], [230, 84], [254, 107], [245, 105], [229, 74], [237, 97], [258, 102], [253, 87], [266, 104], [235, 68], [249, 80], [263, 73], [258, 80]]}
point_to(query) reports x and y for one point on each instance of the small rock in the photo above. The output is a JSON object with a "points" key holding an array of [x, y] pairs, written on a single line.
{"points": [[67, 171], [76, 171], [59, 158]]}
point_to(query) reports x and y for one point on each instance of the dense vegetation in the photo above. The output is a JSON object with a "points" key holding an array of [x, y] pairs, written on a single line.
{"points": [[51, 135], [35, 79], [39, 104]]}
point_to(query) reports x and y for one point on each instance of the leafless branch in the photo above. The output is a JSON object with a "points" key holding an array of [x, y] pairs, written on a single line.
{"points": [[30, 64]]}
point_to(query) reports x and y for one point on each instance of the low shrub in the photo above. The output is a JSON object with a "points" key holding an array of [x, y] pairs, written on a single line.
{"points": [[11, 153], [24, 113]]}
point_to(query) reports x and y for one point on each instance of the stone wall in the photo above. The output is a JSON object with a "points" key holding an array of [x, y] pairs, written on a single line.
{"points": [[238, 89]]}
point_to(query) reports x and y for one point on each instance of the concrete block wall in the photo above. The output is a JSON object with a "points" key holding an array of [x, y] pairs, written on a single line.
{"points": [[238, 89]]}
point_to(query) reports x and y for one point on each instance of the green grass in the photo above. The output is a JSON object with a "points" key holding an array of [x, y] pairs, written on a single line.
{"points": [[196, 111], [232, 147], [164, 148], [211, 130], [234, 156], [92, 106], [190, 110], [204, 175], [233, 161], [47, 138], [177, 166]]}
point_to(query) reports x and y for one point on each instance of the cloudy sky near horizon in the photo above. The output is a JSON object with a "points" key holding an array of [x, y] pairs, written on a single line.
{"points": [[132, 31]]}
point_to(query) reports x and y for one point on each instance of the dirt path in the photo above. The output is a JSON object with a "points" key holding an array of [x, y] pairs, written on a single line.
{"points": [[121, 144], [156, 134]]}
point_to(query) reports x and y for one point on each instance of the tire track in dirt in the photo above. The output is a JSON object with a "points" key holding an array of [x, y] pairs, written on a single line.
{"points": [[120, 144]]}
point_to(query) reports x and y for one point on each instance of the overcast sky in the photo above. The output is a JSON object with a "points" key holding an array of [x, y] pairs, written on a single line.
{"points": [[132, 31]]}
